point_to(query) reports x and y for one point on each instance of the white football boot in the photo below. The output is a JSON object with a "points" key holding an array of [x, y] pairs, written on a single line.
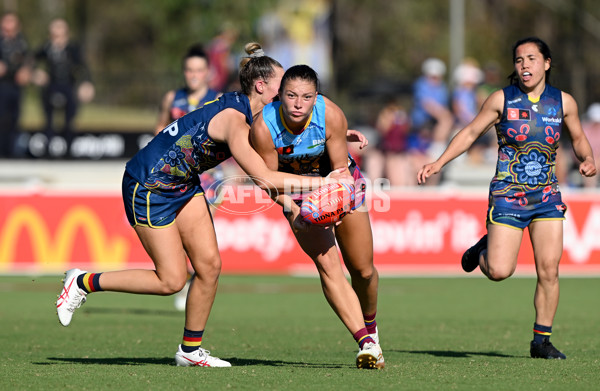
{"points": [[375, 336], [370, 357], [70, 298], [198, 358]]}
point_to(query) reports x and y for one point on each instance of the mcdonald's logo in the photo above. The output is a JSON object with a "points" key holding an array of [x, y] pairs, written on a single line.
{"points": [[53, 252]]}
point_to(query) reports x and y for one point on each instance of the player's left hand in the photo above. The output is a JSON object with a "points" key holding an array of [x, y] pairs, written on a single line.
{"points": [[588, 167], [294, 219], [356, 136]]}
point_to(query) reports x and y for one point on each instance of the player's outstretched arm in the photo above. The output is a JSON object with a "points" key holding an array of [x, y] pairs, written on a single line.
{"points": [[490, 114]]}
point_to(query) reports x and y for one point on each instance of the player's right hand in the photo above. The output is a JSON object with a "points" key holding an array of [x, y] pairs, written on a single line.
{"points": [[341, 175]]}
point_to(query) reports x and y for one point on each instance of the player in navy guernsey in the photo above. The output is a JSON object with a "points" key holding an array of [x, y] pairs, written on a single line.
{"points": [[530, 117], [305, 133], [177, 103], [165, 204]]}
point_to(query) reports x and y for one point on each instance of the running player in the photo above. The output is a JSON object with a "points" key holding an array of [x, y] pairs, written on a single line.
{"points": [[164, 202], [529, 116], [305, 133], [177, 103]]}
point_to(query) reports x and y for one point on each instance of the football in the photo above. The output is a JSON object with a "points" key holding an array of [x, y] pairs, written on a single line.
{"points": [[328, 204]]}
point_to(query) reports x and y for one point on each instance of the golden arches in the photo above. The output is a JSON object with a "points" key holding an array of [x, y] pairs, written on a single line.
{"points": [[53, 253]]}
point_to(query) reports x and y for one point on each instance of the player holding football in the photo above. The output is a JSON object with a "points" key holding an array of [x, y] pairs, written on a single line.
{"points": [[305, 133], [529, 116], [165, 204]]}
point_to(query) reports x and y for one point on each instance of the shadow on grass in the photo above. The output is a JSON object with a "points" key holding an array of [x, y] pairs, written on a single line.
{"points": [[454, 354], [236, 362], [132, 311], [110, 361]]}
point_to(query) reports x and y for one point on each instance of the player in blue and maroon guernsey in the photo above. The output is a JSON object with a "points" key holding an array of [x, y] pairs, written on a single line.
{"points": [[305, 133]]}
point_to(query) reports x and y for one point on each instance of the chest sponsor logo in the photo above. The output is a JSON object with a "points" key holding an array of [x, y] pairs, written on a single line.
{"points": [[317, 143], [518, 115], [551, 120]]}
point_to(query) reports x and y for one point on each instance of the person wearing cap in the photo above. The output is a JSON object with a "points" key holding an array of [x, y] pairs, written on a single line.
{"points": [[431, 117], [467, 76]]}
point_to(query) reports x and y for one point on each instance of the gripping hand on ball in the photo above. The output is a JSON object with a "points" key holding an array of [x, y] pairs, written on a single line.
{"points": [[340, 175]]}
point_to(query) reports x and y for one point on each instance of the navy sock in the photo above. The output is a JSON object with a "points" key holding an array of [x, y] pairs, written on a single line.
{"points": [[191, 340], [89, 282], [540, 333]]}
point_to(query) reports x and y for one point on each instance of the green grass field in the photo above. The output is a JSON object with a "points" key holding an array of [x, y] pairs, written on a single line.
{"points": [[280, 334]]}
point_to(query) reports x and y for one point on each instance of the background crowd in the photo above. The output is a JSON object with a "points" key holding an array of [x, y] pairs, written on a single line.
{"points": [[57, 67], [411, 130], [406, 122]]}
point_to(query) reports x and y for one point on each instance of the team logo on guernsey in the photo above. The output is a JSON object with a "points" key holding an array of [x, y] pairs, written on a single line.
{"points": [[287, 150], [518, 115]]}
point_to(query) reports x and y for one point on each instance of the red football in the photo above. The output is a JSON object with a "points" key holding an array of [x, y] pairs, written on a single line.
{"points": [[328, 204]]}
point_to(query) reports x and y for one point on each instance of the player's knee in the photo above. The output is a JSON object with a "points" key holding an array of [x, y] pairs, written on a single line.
{"points": [[208, 268], [172, 285], [548, 274], [363, 274], [498, 273]]}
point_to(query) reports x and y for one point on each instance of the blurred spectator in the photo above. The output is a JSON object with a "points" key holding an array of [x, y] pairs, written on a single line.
{"points": [[299, 32], [467, 77], [465, 106], [15, 72], [194, 94], [390, 159], [431, 114], [431, 117], [591, 127], [492, 81], [65, 80], [222, 66]]}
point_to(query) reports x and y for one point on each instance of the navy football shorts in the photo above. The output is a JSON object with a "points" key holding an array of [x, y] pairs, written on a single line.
{"points": [[520, 218], [149, 209]]}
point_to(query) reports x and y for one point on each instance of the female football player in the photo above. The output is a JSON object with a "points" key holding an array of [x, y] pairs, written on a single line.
{"points": [[305, 133], [177, 103], [530, 116], [164, 202]]}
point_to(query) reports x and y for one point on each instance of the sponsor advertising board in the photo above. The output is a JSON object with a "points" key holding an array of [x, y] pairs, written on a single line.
{"points": [[415, 233]]}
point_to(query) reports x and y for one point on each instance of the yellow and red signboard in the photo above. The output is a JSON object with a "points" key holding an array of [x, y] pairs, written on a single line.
{"points": [[414, 233]]}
